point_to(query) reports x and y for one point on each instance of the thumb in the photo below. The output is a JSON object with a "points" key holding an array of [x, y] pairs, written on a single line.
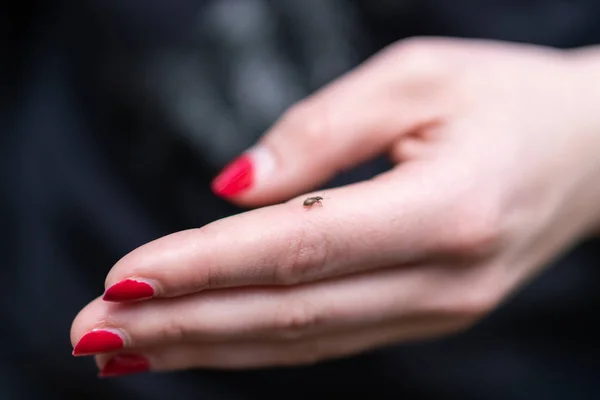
{"points": [[348, 122]]}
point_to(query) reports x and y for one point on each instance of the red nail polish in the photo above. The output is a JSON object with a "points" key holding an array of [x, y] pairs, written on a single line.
{"points": [[98, 341], [125, 364], [129, 290], [235, 178]]}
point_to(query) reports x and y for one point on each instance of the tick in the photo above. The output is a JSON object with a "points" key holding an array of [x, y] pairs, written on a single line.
{"points": [[310, 201]]}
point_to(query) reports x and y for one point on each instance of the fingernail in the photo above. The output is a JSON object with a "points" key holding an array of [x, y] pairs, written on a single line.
{"points": [[129, 290], [125, 364], [244, 172], [99, 341]]}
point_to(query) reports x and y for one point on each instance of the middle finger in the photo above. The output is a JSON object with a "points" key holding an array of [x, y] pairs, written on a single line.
{"points": [[268, 312]]}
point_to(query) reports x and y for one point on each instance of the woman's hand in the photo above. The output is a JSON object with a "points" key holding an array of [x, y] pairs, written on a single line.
{"points": [[497, 152]]}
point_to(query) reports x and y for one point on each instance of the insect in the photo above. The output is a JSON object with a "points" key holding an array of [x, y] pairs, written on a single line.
{"points": [[312, 200]]}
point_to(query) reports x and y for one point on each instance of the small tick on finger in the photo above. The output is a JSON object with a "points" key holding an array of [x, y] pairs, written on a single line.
{"points": [[310, 201]]}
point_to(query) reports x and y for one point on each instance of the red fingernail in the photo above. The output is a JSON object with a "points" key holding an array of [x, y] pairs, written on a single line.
{"points": [[125, 364], [129, 290], [98, 341], [235, 178]]}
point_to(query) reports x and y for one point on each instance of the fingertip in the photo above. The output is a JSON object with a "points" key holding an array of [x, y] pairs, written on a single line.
{"points": [[83, 321], [147, 271], [268, 173], [123, 364], [246, 174], [100, 340], [131, 289], [101, 359]]}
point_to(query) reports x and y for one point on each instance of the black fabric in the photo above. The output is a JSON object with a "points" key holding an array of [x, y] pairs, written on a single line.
{"points": [[116, 115]]}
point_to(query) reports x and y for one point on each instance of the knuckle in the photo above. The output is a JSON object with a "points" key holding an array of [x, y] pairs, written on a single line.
{"points": [[174, 330], [310, 123], [474, 232], [430, 75], [475, 303], [305, 257], [471, 293], [295, 319], [419, 57], [309, 353]]}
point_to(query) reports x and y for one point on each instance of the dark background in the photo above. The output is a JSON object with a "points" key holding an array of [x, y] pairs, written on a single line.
{"points": [[115, 116]]}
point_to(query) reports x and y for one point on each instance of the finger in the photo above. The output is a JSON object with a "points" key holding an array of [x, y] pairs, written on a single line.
{"points": [[350, 121], [395, 295], [247, 355], [363, 226]]}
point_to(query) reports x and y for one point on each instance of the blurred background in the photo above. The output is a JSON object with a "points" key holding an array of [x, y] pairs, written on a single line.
{"points": [[116, 115]]}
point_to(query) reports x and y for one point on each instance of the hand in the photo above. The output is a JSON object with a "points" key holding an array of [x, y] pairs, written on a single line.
{"points": [[496, 172]]}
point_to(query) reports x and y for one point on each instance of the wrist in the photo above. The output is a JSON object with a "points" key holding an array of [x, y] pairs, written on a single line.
{"points": [[586, 73]]}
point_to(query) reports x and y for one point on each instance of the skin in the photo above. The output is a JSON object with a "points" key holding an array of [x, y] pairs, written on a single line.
{"points": [[497, 172]]}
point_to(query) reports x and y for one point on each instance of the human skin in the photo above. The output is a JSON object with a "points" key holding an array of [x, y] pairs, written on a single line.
{"points": [[496, 151]]}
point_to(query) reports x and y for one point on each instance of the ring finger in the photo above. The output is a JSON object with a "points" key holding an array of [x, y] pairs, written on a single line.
{"points": [[244, 355]]}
